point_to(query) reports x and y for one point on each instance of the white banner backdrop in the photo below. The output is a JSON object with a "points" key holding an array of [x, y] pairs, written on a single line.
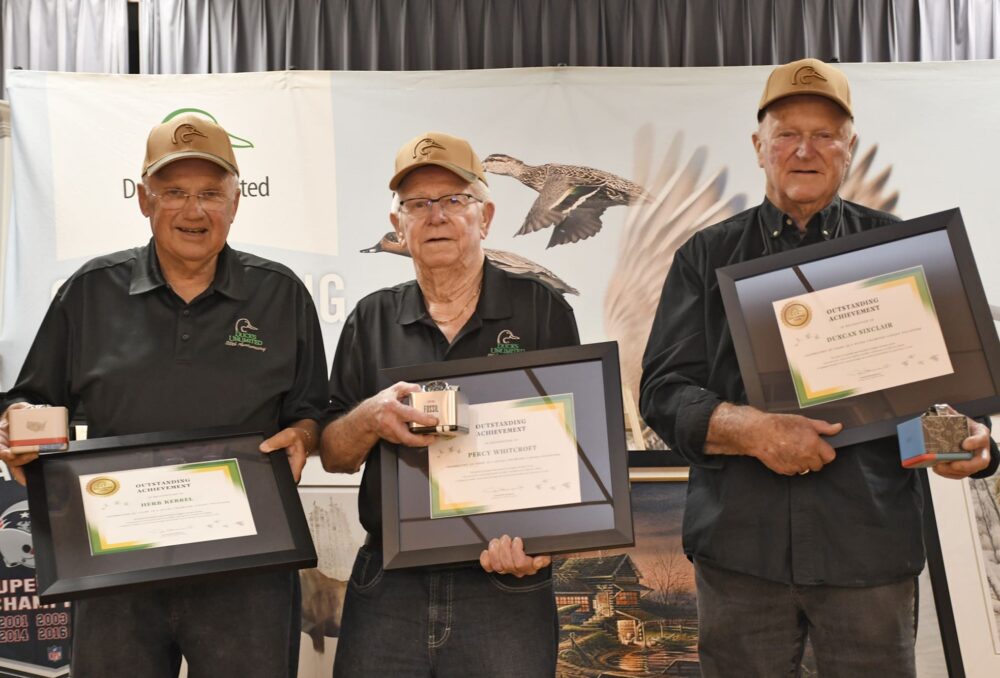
{"points": [[316, 150]]}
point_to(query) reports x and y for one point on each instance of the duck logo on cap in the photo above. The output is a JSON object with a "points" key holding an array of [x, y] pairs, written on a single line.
{"points": [[185, 132], [425, 146], [806, 75]]}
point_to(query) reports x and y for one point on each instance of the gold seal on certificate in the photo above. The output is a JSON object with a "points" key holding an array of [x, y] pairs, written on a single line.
{"points": [[864, 336], [796, 314], [149, 508], [518, 454]]}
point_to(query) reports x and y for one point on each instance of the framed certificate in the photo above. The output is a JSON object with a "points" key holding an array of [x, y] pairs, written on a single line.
{"points": [[867, 330], [119, 512], [543, 458]]}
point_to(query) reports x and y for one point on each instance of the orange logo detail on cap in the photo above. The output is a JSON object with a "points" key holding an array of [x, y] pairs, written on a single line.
{"points": [[185, 132], [806, 75], [425, 146]]}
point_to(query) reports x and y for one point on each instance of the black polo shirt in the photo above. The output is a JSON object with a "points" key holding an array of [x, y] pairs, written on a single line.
{"points": [[117, 340], [855, 523], [391, 328]]}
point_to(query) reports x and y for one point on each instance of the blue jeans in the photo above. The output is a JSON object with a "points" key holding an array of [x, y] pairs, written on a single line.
{"points": [[241, 626], [753, 627], [446, 622]]}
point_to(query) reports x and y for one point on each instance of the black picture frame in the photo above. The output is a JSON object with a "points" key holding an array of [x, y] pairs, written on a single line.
{"points": [[603, 519], [65, 567], [939, 243]]}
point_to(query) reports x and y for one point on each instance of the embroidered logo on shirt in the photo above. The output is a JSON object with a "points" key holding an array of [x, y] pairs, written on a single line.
{"points": [[506, 343], [244, 336]]}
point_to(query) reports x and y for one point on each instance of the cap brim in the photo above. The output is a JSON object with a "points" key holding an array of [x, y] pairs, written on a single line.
{"points": [[183, 155], [397, 179], [762, 109]]}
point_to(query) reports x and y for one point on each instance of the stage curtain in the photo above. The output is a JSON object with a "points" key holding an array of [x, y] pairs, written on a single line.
{"points": [[63, 35], [218, 36]]}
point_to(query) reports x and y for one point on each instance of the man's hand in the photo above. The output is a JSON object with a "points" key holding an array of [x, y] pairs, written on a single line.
{"points": [[978, 443], [296, 441], [506, 556], [788, 444], [345, 442], [389, 418], [14, 461]]}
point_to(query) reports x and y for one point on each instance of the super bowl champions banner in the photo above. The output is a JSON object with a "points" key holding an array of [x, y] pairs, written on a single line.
{"points": [[599, 175]]}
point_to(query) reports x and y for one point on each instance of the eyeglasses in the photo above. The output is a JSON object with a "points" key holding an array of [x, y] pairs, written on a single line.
{"points": [[175, 198], [450, 204]]}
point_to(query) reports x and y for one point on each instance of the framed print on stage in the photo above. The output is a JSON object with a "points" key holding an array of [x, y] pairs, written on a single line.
{"points": [[543, 458], [120, 512], [867, 330]]}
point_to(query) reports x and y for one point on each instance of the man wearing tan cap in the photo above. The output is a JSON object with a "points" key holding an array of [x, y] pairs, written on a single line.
{"points": [[790, 538], [143, 341], [492, 618]]}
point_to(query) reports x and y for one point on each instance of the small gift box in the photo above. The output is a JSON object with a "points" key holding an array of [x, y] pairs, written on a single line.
{"points": [[933, 437], [38, 429]]}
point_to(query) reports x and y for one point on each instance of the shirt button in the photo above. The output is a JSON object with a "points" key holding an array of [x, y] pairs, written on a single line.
{"points": [[186, 312], [788, 222], [185, 336]]}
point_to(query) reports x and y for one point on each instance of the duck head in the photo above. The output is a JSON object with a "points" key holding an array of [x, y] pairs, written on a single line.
{"points": [[388, 243], [499, 163]]}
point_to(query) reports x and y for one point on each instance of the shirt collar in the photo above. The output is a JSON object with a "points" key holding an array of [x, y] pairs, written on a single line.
{"points": [[494, 299], [824, 225], [229, 275]]}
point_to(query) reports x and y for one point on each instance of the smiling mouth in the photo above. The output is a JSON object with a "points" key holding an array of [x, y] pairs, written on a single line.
{"points": [[192, 231]]}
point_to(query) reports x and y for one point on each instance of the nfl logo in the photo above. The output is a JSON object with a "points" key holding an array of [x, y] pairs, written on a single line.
{"points": [[55, 653]]}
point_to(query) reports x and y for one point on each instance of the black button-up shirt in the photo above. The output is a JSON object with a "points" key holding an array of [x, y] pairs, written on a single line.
{"points": [[117, 340], [391, 328], [856, 523]]}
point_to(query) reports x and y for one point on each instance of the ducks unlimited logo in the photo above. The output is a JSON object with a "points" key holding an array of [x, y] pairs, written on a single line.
{"points": [[244, 337], [506, 343]]}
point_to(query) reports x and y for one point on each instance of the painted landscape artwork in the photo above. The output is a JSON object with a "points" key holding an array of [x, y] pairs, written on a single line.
{"points": [[631, 612]]}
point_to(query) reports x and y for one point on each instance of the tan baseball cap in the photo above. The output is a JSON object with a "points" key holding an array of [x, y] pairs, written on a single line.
{"points": [[435, 148], [188, 136], [806, 76]]}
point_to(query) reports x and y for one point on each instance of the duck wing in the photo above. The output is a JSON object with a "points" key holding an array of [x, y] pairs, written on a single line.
{"points": [[680, 203], [557, 199], [869, 191], [579, 224], [518, 265]]}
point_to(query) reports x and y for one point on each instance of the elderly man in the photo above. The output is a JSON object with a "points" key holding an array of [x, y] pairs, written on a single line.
{"points": [[437, 621], [780, 553], [139, 339]]}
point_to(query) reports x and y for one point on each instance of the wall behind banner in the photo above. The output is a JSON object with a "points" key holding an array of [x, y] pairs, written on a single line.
{"points": [[316, 151]]}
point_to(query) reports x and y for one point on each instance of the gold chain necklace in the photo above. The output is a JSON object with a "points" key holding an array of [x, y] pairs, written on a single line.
{"points": [[473, 297]]}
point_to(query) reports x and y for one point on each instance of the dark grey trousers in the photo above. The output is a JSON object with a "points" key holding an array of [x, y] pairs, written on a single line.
{"points": [[753, 627]]}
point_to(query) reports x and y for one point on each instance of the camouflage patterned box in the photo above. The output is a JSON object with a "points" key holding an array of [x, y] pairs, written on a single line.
{"points": [[933, 437]]}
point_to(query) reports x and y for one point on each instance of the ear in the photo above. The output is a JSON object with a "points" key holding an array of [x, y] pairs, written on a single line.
{"points": [[489, 209], [850, 148], [758, 145], [145, 201], [394, 220]]}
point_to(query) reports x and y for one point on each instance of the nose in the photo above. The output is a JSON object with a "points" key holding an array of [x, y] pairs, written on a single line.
{"points": [[437, 212], [805, 148], [193, 205]]}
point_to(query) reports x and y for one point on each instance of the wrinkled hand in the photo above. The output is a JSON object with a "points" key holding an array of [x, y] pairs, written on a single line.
{"points": [[506, 556], [389, 417], [978, 443], [293, 441], [790, 444], [14, 461]]}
